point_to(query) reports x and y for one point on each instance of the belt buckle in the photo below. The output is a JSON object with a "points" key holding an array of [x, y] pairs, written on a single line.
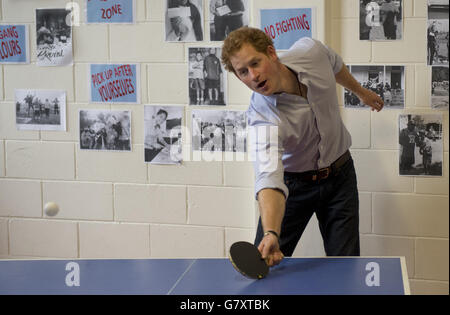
{"points": [[327, 173]]}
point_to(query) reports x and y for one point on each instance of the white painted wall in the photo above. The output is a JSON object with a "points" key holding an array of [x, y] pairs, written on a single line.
{"points": [[114, 205]]}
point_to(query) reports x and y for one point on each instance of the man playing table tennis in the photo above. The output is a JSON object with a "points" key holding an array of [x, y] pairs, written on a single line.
{"points": [[312, 170]]}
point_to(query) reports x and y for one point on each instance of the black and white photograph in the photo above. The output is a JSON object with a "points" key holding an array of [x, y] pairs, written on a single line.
{"points": [[184, 21], [163, 134], [219, 130], [439, 87], [54, 37], [40, 110], [380, 20], [437, 32], [420, 145], [386, 81], [105, 130], [207, 77], [226, 16]]}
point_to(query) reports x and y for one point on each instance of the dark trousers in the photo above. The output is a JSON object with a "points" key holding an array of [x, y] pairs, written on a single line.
{"points": [[336, 204], [219, 27]]}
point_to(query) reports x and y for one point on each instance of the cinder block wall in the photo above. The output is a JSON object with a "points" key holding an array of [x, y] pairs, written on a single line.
{"points": [[405, 216], [114, 205]]}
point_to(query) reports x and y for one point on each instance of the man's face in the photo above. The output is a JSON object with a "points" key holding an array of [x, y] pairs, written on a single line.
{"points": [[260, 72], [160, 118]]}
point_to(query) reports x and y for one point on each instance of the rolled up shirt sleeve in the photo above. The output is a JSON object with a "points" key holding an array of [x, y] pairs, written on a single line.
{"points": [[335, 59], [266, 152]]}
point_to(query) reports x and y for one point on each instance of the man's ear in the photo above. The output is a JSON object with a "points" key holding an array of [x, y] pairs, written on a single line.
{"points": [[236, 74], [272, 52]]}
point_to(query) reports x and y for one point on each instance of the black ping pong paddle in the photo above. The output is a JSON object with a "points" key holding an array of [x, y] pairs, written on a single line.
{"points": [[246, 258]]}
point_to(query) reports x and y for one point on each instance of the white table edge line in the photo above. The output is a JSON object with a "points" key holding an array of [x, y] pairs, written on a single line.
{"points": [[405, 276], [181, 277]]}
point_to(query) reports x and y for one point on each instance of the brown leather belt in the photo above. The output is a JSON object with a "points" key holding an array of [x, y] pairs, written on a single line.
{"points": [[322, 173]]}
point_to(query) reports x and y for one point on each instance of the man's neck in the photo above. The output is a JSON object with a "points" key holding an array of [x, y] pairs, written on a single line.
{"points": [[290, 83]]}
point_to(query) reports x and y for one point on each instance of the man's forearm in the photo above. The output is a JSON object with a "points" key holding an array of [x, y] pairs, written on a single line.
{"points": [[367, 97], [346, 79], [272, 203]]}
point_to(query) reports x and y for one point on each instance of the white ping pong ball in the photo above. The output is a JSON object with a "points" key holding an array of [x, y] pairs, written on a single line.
{"points": [[51, 209]]}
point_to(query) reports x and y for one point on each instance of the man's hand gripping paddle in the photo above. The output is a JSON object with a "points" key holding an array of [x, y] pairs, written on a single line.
{"points": [[247, 259]]}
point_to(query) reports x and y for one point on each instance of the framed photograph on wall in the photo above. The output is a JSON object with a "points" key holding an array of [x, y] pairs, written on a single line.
{"points": [[219, 131], [207, 77], [40, 110], [386, 81], [439, 87], [380, 20], [105, 130], [420, 145], [437, 32], [54, 37], [226, 16], [163, 134], [184, 21]]}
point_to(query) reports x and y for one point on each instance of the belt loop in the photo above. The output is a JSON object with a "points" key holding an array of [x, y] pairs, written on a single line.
{"points": [[335, 169]]}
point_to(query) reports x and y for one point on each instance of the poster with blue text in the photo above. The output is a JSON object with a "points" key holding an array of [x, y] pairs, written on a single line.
{"points": [[286, 26], [110, 11], [14, 44], [114, 83]]}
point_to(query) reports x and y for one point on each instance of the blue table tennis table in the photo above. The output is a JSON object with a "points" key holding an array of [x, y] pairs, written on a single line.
{"points": [[294, 276]]}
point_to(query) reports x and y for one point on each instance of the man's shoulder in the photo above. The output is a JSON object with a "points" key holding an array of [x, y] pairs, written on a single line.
{"points": [[305, 48], [305, 44]]}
